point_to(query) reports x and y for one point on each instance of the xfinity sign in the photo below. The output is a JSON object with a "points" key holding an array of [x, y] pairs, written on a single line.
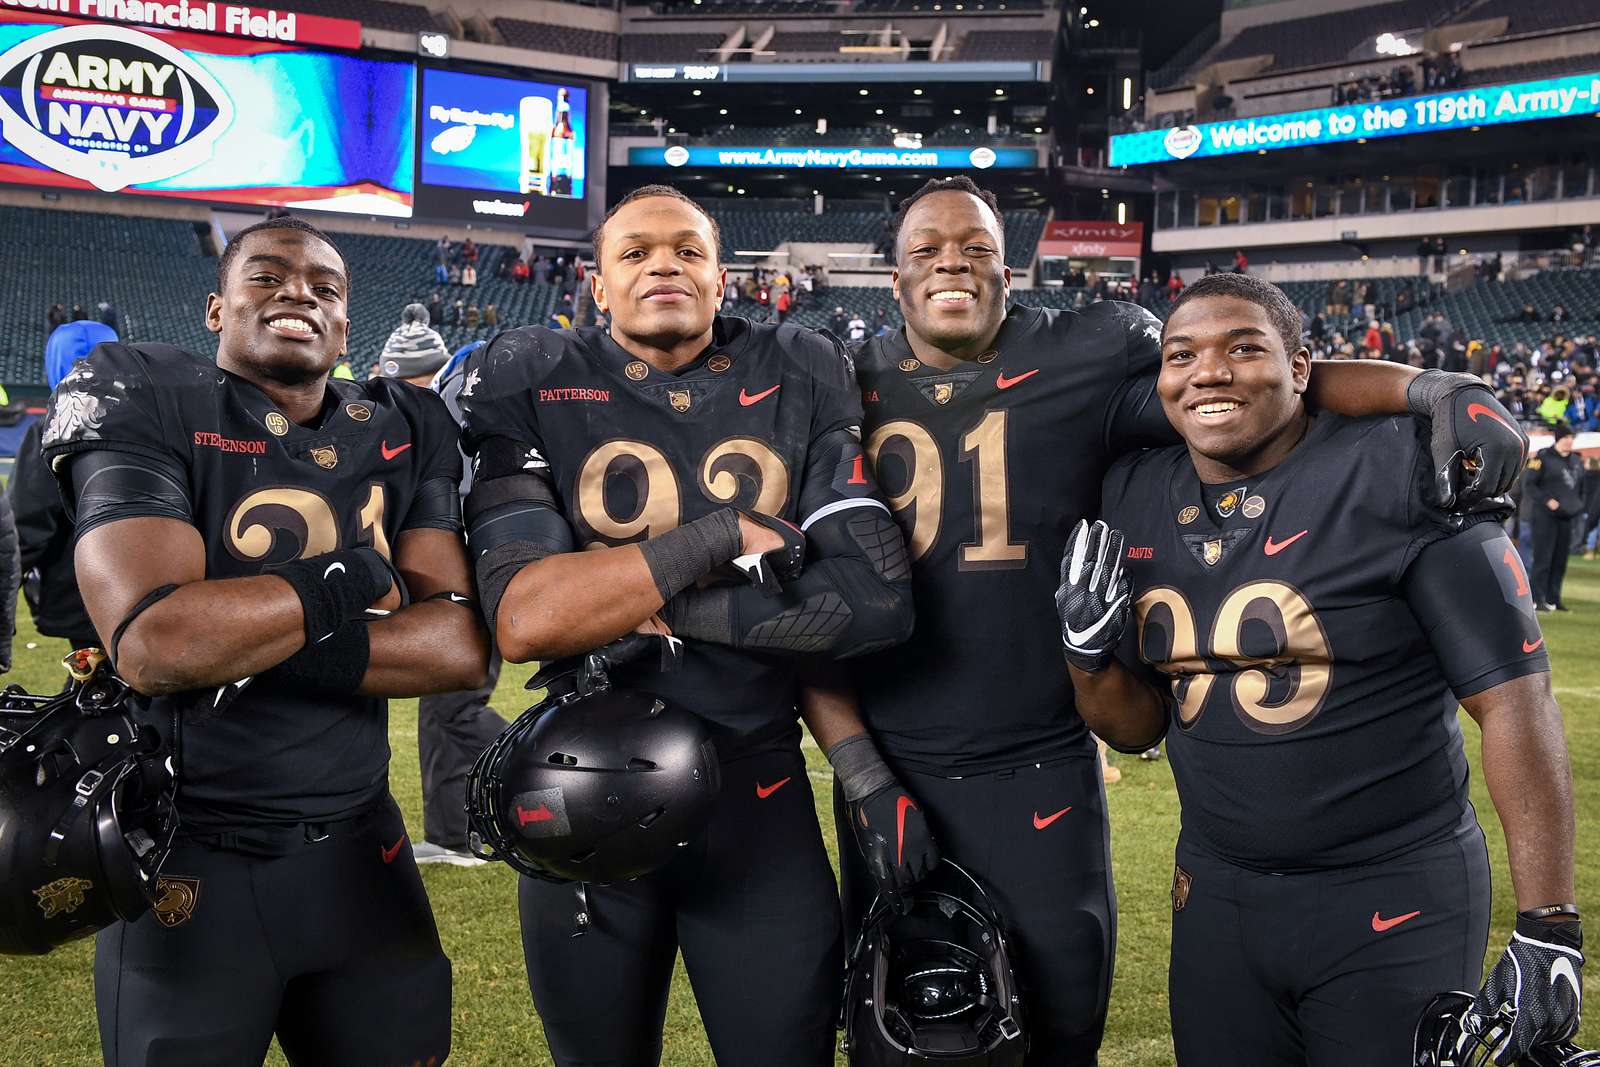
{"points": [[1550, 98]]}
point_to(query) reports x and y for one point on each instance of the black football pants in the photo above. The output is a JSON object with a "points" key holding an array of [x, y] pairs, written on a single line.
{"points": [[1326, 968], [752, 904], [1038, 839], [332, 947], [452, 730], [1552, 541]]}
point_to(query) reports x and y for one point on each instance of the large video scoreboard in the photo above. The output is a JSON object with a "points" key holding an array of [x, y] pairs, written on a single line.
{"points": [[257, 118]]}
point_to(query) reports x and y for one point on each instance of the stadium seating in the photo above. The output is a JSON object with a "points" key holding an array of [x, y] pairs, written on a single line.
{"points": [[1331, 38], [379, 14], [1520, 72], [969, 7], [563, 40], [1005, 44], [762, 226], [1544, 15], [154, 272], [670, 47], [1487, 310]]}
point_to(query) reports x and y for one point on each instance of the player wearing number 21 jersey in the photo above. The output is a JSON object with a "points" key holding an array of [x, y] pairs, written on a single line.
{"points": [[1313, 624], [245, 529]]}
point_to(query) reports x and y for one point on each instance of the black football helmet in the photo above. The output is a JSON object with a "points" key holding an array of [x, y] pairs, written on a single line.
{"points": [[1441, 1041], [594, 783], [86, 809], [935, 985]]}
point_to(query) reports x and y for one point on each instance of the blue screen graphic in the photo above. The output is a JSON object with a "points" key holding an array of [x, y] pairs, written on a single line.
{"points": [[297, 128], [503, 135], [1549, 98]]}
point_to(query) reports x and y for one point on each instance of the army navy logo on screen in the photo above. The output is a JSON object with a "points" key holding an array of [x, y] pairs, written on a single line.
{"points": [[110, 105]]}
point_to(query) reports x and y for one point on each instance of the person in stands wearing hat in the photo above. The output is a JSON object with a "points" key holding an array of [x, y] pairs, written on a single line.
{"points": [[43, 537], [414, 352]]}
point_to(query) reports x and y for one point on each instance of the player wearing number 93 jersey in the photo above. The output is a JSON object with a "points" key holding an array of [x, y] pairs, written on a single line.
{"points": [[1315, 623], [268, 554], [713, 470]]}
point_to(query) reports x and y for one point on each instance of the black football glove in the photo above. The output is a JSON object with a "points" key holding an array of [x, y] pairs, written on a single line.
{"points": [[1477, 447], [1093, 597], [768, 571], [895, 840], [1533, 995]]}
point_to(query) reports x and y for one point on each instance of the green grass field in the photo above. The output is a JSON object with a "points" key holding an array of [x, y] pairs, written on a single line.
{"points": [[47, 1005]]}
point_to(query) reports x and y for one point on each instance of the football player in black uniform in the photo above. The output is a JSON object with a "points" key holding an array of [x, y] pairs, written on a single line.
{"points": [[270, 554], [990, 431], [671, 445], [1314, 622]]}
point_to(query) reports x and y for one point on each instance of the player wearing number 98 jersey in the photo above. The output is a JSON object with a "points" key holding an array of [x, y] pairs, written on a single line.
{"points": [[1314, 623], [688, 453], [268, 554]]}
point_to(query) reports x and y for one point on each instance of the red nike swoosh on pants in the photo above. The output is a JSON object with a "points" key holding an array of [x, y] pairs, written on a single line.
{"points": [[390, 853], [765, 791], [1040, 824], [1380, 924]]}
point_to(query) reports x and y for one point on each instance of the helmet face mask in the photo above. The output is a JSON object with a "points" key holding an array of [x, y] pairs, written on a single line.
{"points": [[1441, 1041], [595, 786], [934, 985], [87, 811]]}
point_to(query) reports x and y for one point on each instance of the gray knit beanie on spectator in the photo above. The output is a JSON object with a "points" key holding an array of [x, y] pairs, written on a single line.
{"points": [[414, 349]]}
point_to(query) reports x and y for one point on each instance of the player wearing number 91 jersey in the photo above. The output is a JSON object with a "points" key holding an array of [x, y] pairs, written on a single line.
{"points": [[268, 554]]}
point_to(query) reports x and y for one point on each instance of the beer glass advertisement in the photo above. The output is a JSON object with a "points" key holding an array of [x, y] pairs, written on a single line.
{"points": [[120, 109], [502, 149]]}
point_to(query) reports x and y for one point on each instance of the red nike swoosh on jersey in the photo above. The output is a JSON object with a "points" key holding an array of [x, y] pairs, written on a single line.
{"points": [[390, 453], [1272, 548], [1040, 824], [901, 806], [1002, 382], [390, 853], [765, 791], [1380, 924], [1474, 410], [745, 399], [1533, 646]]}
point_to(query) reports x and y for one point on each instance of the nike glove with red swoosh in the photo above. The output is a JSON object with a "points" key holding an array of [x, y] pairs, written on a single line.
{"points": [[1534, 994], [768, 571], [888, 823], [1093, 597], [1477, 447]]}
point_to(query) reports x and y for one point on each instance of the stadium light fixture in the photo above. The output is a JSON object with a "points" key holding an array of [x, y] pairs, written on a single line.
{"points": [[1038, 129], [1127, 94], [878, 111], [433, 45], [695, 93], [1094, 24], [916, 92], [863, 92], [1122, 213], [722, 111], [1089, 89], [955, 111], [741, 192], [798, 111], [999, 92]]}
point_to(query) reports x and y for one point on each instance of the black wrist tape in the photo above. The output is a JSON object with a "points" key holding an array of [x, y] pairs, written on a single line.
{"points": [[681, 556], [337, 587], [859, 767], [334, 665], [1424, 392]]}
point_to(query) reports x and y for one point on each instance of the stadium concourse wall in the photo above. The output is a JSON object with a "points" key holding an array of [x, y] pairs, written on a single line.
{"points": [[1451, 222]]}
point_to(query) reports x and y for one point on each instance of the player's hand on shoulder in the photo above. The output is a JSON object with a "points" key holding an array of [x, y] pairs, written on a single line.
{"points": [[1534, 994], [1092, 600], [1476, 446]]}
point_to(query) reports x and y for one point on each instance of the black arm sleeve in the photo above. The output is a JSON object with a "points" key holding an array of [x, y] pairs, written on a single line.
{"points": [[1470, 594], [513, 519], [854, 595], [35, 502], [111, 485], [1135, 418]]}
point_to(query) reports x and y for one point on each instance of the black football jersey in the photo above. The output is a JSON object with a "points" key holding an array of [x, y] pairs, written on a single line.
{"points": [[266, 491], [633, 452], [987, 468], [1314, 723]]}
